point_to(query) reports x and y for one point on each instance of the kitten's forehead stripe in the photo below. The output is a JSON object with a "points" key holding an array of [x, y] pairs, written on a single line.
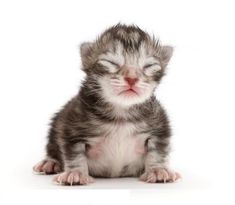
{"points": [[131, 37]]}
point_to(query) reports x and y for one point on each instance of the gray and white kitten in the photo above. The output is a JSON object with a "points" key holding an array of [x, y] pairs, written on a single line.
{"points": [[114, 126]]}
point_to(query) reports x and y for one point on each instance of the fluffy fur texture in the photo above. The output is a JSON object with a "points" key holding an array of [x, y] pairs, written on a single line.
{"points": [[114, 127]]}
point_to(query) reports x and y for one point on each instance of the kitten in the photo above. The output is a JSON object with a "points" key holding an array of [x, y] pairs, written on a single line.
{"points": [[114, 127]]}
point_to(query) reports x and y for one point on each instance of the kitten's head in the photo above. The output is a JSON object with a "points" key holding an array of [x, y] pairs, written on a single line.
{"points": [[127, 64]]}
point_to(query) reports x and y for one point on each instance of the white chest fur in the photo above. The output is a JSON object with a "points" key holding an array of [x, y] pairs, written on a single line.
{"points": [[120, 152]]}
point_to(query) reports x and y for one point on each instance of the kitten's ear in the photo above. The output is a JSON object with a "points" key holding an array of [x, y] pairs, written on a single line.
{"points": [[86, 50], [166, 54]]}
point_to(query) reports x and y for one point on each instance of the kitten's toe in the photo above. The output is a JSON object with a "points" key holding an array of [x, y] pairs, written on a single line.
{"points": [[73, 177], [160, 175], [47, 166]]}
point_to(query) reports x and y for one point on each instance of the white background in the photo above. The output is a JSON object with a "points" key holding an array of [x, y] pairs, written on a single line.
{"points": [[39, 72]]}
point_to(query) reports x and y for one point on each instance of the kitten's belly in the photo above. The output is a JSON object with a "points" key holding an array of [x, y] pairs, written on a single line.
{"points": [[116, 156]]}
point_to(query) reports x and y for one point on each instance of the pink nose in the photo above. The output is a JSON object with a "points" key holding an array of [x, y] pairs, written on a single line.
{"points": [[131, 81]]}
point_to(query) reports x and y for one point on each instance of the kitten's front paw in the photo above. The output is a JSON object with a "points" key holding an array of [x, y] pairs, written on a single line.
{"points": [[160, 175], [73, 177]]}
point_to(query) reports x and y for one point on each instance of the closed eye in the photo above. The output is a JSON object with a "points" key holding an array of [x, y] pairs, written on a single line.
{"points": [[109, 65], [109, 61], [150, 69], [150, 65]]}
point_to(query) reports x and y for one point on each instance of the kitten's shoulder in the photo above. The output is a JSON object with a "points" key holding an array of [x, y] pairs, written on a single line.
{"points": [[152, 110]]}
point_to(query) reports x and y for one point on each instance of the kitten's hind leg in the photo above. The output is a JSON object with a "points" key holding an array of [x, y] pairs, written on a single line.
{"points": [[48, 166]]}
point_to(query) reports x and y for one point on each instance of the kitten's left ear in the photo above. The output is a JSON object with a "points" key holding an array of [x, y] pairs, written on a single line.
{"points": [[86, 51], [166, 54]]}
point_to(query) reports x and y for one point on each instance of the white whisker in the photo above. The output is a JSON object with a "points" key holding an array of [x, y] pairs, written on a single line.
{"points": [[115, 84], [143, 87], [115, 80], [142, 83]]}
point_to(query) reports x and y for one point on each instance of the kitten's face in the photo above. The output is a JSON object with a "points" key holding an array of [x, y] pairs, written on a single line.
{"points": [[130, 76], [127, 63]]}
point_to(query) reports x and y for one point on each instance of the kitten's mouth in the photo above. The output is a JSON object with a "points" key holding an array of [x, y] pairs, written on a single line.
{"points": [[129, 92]]}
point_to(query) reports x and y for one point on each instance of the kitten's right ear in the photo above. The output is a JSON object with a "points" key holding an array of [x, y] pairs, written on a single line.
{"points": [[86, 51], [166, 54]]}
